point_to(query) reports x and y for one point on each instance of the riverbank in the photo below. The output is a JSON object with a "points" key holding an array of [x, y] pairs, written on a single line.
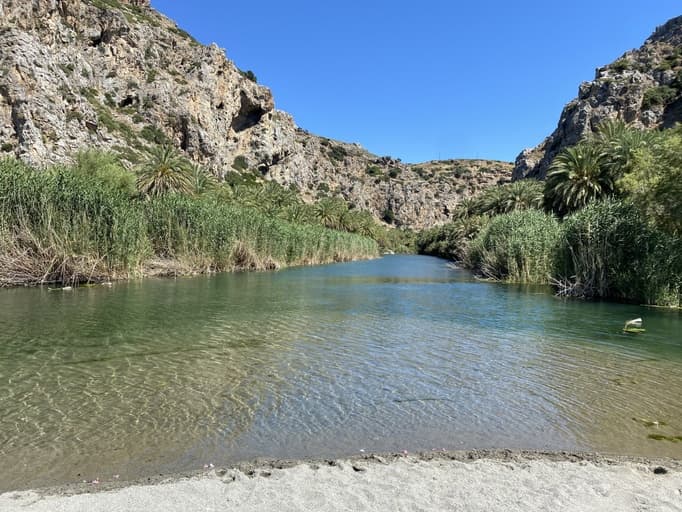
{"points": [[69, 226], [472, 481], [20, 269], [613, 235]]}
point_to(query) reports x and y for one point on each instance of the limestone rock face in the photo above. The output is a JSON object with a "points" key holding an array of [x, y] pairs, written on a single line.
{"points": [[643, 87], [117, 75]]}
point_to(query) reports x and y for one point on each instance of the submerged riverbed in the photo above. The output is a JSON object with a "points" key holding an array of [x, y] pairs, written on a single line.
{"points": [[400, 353]]}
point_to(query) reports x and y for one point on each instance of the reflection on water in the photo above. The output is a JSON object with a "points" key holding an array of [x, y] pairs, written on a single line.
{"points": [[392, 354]]}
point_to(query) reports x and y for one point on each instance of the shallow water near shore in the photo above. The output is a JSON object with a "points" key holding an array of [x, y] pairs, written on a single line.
{"points": [[399, 353]]}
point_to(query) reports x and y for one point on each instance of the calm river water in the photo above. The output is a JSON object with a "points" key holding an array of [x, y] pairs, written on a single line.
{"points": [[400, 353]]}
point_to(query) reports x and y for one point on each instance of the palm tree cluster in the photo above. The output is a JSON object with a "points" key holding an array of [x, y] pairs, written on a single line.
{"points": [[166, 171], [472, 214], [591, 169], [518, 195], [619, 195]]}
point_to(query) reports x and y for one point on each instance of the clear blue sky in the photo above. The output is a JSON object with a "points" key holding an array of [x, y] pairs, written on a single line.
{"points": [[429, 79]]}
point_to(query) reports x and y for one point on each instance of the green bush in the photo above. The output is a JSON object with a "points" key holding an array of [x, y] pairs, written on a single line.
{"points": [[106, 168], [654, 180], [396, 240], [388, 216], [235, 179], [609, 250], [373, 170], [240, 163], [451, 240], [74, 115], [338, 153], [516, 247], [155, 135], [658, 96], [249, 75], [621, 65]]}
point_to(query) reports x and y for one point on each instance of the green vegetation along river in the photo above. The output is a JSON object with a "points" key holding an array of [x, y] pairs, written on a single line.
{"points": [[399, 353]]}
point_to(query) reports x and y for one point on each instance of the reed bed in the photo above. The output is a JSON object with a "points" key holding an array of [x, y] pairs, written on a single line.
{"points": [[516, 247], [61, 226], [609, 250]]}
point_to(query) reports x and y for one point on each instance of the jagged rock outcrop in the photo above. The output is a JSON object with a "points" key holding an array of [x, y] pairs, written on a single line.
{"points": [[116, 74], [643, 87]]}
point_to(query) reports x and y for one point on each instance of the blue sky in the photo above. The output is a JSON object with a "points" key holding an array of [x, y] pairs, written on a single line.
{"points": [[424, 80]]}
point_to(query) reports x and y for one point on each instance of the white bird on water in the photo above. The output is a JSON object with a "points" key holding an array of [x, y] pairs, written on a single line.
{"points": [[637, 322], [634, 326]]}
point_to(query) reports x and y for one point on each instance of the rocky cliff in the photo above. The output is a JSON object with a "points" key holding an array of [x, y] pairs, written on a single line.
{"points": [[118, 75], [643, 87]]}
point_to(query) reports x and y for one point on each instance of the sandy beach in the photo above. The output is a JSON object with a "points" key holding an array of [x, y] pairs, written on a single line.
{"points": [[467, 481]]}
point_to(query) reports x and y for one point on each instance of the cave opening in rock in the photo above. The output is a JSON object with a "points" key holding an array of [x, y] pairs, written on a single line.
{"points": [[127, 101], [249, 114]]}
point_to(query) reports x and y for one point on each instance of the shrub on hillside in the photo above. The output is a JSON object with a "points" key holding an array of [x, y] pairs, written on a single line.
{"points": [[658, 96]]}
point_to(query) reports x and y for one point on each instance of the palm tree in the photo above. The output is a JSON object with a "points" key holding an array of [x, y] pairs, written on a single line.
{"points": [[202, 180], [367, 226], [222, 192], [252, 196], [489, 200], [577, 176], [298, 213], [351, 220], [621, 141], [278, 196], [165, 171], [329, 211], [466, 207], [521, 195], [610, 130]]}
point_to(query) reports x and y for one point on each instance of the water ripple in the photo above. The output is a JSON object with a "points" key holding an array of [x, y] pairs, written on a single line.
{"points": [[399, 353]]}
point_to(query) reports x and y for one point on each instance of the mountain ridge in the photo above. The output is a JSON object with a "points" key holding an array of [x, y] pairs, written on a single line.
{"points": [[642, 87], [118, 75]]}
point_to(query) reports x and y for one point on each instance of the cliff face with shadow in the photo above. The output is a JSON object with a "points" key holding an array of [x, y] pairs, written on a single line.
{"points": [[117, 75]]}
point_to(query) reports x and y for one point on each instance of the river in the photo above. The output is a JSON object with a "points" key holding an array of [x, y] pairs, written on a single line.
{"points": [[398, 353]]}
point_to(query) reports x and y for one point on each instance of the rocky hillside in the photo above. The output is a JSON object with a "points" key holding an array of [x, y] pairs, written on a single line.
{"points": [[116, 74], [643, 87]]}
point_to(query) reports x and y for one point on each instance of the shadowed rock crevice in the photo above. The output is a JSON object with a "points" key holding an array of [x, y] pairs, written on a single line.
{"points": [[249, 114], [672, 113]]}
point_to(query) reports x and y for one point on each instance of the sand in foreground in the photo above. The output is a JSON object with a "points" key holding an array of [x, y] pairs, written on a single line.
{"points": [[409, 483]]}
